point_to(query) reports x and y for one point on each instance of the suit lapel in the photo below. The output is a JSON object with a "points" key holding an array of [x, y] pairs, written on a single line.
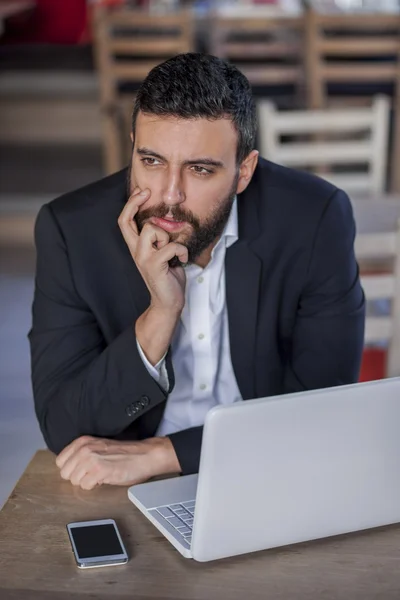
{"points": [[243, 275], [139, 294], [242, 272]]}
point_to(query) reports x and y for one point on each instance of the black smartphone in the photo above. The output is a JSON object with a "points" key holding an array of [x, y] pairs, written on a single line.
{"points": [[97, 543]]}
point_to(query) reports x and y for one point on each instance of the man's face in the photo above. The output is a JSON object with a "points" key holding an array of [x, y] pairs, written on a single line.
{"points": [[190, 168]]}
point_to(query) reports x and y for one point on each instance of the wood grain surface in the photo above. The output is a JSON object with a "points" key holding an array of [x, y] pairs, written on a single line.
{"points": [[36, 560]]}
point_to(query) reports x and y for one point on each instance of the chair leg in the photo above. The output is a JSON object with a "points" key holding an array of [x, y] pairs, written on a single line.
{"points": [[112, 152], [126, 108], [395, 158]]}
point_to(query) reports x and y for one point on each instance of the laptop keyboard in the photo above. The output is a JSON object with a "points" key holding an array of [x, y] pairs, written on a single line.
{"points": [[180, 516]]}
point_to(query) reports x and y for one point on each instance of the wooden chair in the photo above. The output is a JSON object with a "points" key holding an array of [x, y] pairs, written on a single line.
{"points": [[309, 153], [350, 57], [269, 51], [373, 248], [128, 44]]}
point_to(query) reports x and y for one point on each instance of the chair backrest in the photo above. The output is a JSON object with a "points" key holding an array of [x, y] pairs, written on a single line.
{"points": [[357, 48], [373, 249], [128, 44], [311, 152], [269, 51]]}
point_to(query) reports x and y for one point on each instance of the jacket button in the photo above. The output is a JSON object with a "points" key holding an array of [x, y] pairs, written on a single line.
{"points": [[145, 401], [129, 411]]}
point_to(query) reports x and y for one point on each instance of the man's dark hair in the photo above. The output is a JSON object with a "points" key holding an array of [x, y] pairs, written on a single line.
{"points": [[200, 86]]}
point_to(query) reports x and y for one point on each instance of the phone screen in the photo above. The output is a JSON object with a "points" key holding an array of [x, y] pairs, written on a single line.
{"points": [[96, 540]]}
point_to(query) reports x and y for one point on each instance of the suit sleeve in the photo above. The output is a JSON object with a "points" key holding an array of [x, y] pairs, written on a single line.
{"points": [[81, 385], [327, 341], [187, 446]]}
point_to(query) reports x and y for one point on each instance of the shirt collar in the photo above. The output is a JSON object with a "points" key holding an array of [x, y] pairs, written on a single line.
{"points": [[230, 233]]}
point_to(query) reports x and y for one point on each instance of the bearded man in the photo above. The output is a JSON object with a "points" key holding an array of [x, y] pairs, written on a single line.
{"points": [[203, 274]]}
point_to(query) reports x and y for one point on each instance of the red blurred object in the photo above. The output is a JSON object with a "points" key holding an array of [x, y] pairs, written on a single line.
{"points": [[51, 22], [373, 364]]}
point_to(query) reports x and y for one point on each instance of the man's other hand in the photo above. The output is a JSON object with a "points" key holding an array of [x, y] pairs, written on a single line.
{"points": [[90, 461]]}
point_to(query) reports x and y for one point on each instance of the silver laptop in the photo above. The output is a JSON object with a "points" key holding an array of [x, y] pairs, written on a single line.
{"points": [[283, 470]]}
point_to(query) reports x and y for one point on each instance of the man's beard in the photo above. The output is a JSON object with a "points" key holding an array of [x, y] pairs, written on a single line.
{"points": [[203, 234]]}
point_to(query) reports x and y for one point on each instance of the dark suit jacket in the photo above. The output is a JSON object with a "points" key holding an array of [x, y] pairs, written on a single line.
{"points": [[295, 307]]}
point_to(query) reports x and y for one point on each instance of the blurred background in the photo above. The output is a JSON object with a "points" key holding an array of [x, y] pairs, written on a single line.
{"points": [[326, 77]]}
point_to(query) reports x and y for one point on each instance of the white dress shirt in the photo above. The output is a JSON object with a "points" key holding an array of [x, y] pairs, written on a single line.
{"points": [[200, 346]]}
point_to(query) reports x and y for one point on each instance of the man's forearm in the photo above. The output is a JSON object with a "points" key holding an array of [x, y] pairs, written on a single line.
{"points": [[154, 330], [101, 399]]}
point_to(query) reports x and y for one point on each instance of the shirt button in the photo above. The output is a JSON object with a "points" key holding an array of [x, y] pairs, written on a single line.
{"points": [[203, 386], [200, 279], [201, 336]]}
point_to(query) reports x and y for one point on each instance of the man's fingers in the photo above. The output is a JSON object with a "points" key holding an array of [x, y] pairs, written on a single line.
{"points": [[152, 238], [73, 463], [173, 249], [126, 218], [69, 450], [78, 473], [90, 481]]}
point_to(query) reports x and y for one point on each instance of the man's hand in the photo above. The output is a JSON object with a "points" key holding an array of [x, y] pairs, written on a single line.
{"points": [[151, 251], [90, 461]]}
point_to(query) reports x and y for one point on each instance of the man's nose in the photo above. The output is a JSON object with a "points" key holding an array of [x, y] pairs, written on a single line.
{"points": [[173, 192]]}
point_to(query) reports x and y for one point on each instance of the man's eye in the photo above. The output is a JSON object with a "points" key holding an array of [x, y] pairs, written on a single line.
{"points": [[150, 161], [201, 170]]}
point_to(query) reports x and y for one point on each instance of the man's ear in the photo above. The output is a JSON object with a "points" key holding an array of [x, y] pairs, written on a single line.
{"points": [[246, 171]]}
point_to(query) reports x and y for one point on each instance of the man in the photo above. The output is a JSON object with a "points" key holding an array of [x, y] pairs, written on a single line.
{"points": [[216, 277]]}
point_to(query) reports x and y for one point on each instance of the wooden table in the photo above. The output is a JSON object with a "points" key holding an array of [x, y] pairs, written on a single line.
{"points": [[36, 561]]}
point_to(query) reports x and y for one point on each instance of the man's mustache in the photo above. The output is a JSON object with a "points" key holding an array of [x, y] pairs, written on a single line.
{"points": [[162, 210]]}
